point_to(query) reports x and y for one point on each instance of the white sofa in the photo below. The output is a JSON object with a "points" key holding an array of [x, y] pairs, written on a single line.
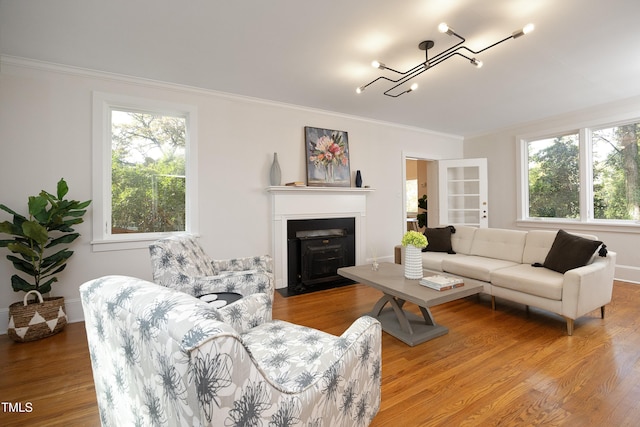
{"points": [[502, 260]]}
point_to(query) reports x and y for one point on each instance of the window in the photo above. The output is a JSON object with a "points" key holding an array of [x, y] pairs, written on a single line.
{"points": [[412, 196], [588, 175], [144, 176], [554, 177], [616, 181]]}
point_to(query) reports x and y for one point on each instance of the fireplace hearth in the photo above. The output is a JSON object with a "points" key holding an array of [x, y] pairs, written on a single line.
{"points": [[316, 248]]}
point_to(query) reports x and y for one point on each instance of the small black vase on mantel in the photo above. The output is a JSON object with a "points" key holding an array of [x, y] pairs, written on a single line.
{"points": [[358, 179]]}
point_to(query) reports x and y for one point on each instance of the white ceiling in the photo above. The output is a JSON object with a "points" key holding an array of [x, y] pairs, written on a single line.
{"points": [[315, 53]]}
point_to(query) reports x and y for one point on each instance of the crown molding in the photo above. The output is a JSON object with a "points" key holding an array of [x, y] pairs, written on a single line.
{"points": [[8, 60]]}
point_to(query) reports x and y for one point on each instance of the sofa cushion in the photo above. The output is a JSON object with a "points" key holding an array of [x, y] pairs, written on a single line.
{"points": [[498, 243], [439, 239], [530, 280], [462, 239], [474, 267], [433, 260], [570, 251], [537, 246]]}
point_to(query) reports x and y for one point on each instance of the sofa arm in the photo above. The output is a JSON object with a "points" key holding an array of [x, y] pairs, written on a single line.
{"points": [[589, 287], [397, 254]]}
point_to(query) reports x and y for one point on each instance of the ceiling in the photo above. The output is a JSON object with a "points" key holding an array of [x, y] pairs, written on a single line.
{"points": [[315, 53]]}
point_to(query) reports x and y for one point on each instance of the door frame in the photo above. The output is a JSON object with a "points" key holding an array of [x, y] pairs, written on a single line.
{"points": [[411, 155]]}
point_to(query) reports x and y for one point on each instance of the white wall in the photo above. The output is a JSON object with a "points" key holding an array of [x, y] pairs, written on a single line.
{"points": [[45, 134], [500, 150]]}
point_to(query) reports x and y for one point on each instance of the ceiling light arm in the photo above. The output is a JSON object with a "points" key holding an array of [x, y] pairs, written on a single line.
{"points": [[488, 47], [451, 49], [424, 68], [405, 79], [406, 76]]}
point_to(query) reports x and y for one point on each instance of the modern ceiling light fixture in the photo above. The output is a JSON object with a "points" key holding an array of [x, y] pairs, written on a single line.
{"points": [[428, 63]]}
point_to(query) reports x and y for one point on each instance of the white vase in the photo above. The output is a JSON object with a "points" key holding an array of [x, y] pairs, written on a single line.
{"points": [[413, 263]]}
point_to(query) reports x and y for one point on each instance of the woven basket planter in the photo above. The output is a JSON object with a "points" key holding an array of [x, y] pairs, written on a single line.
{"points": [[36, 320]]}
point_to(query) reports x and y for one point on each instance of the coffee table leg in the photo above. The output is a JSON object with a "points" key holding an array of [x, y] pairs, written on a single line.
{"points": [[428, 317], [396, 304], [406, 326]]}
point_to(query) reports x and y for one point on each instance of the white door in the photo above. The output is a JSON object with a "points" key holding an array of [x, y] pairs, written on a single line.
{"points": [[463, 193]]}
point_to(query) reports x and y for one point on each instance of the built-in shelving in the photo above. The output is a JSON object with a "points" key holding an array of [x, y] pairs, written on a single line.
{"points": [[465, 200]]}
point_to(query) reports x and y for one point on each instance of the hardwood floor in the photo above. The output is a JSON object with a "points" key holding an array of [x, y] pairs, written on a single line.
{"points": [[505, 367]]}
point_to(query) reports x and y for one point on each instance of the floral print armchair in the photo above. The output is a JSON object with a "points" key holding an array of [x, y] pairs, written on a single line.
{"points": [[161, 357], [179, 262]]}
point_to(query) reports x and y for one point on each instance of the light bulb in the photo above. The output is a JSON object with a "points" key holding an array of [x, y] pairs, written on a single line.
{"points": [[414, 86], [377, 64], [360, 89], [444, 28], [526, 30], [477, 63]]}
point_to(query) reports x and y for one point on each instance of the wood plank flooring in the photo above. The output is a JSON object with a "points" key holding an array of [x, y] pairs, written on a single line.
{"points": [[504, 368]]}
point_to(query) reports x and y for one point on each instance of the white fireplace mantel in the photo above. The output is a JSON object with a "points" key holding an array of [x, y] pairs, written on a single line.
{"points": [[291, 203]]}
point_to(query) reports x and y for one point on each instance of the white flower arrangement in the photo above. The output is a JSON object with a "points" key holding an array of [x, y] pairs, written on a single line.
{"points": [[415, 238]]}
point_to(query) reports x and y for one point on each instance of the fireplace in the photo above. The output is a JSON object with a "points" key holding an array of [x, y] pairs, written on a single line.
{"points": [[316, 248], [295, 203]]}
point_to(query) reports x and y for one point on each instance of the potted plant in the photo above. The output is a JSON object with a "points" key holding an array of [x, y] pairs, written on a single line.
{"points": [[422, 217], [413, 241], [49, 223]]}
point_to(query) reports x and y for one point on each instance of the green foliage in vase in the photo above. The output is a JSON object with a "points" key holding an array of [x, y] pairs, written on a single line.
{"points": [[414, 238], [49, 224]]}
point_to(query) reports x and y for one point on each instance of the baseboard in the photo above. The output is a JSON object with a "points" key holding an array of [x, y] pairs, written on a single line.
{"points": [[627, 273], [73, 308]]}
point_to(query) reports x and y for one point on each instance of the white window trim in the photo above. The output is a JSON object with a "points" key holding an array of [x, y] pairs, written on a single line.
{"points": [[103, 240], [586, 188]]}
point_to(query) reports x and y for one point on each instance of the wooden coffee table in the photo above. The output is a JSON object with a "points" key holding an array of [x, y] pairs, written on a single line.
{"points": [[407, 327]]}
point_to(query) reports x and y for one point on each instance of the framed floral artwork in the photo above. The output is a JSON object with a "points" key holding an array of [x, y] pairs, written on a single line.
{"points": [[327, 157]]}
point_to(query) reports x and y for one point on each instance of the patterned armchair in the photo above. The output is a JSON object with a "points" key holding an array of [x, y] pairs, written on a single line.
{"points": [[179, 262], [164, 358]]}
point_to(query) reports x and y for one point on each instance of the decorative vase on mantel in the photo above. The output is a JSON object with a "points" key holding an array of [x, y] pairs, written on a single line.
{"points": [[275, 175], [413, 263], [358, 179]]}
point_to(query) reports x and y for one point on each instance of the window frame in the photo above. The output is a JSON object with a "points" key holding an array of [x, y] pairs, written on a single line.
{"points": [[584, 131], [103, 104]]}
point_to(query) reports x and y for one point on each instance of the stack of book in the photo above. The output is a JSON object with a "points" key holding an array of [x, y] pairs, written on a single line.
{"points": [[441, 283]]}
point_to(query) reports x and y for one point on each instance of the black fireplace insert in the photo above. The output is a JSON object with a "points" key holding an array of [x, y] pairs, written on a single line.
{"points": [[316, 248]]}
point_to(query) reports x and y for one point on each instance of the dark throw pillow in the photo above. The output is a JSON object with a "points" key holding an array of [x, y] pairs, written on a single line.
{"points": [[570, 251], [439, 239]]}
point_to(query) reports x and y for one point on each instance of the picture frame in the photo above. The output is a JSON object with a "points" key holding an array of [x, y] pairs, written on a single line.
{"points": [[327, 157]]}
